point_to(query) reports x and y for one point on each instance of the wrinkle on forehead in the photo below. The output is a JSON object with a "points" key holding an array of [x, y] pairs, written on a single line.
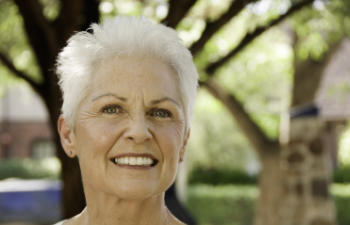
{"points": [[122, 68]]}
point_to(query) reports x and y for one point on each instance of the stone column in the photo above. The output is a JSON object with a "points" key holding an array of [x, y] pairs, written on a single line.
{"points": [[306, 163]]}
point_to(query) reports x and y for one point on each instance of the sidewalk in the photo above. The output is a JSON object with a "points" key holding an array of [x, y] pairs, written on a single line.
{"points": [[34, 201]]}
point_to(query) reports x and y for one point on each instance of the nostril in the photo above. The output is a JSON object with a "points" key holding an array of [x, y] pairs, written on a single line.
{"points": [[138, 134]]}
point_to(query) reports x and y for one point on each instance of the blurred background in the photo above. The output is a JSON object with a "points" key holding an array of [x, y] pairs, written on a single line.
{"points": [[270, 139]]}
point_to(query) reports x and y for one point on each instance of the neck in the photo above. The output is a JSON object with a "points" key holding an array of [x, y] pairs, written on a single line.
{"points": [[104, 209]]}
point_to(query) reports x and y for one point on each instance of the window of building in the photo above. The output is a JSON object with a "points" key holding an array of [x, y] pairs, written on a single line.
{"points": [[43, 149]]}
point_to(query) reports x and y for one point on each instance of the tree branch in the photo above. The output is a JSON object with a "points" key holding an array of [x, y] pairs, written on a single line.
{"points": [[10, 66], [308, 76], [68, 19], [211, 68], [75, 16], [177, 11], [39, 32], [252, 131], [212, 27], [91, 13]]}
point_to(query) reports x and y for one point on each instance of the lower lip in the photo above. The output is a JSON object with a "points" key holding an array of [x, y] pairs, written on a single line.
{"points": [[135, 167]]}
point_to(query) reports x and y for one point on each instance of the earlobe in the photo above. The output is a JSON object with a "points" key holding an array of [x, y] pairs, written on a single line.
{"points": [[66, 136], [183, 149]]}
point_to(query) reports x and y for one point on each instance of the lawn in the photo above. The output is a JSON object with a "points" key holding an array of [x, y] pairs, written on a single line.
{"points": [[234, 204]]}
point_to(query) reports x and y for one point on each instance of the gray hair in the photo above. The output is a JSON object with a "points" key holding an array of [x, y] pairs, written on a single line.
{"points": [[122, 36]]}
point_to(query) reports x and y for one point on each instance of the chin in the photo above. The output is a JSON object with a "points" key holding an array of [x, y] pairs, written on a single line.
{"points": [[137, 192], [135, 189]]}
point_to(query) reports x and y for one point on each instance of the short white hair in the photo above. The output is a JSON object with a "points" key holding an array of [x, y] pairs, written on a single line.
{"points": [[122, 35]]}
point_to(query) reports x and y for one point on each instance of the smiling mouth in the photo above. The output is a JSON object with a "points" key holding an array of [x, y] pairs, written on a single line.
{"points": [[135, 161]]}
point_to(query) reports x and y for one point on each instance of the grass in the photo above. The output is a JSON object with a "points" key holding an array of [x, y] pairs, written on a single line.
{"points": [[341, 195], [222, 205], [234, 204]]}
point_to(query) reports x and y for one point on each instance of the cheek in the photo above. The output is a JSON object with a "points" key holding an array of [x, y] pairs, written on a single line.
{"points": [[170, 141], [96, 138]]}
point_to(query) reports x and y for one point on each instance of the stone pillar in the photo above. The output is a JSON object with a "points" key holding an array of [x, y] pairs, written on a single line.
{"points": [[306, 163]]}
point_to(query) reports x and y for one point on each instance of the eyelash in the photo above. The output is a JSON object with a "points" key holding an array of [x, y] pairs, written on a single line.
{"points": [[107, 109], [112, 109], [153, 112]]}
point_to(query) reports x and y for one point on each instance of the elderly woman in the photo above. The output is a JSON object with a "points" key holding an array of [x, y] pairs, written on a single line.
{"points": [[128, 94]]}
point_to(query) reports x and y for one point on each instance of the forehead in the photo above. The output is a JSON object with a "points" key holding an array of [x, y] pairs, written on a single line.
{"points": [[128, 74]]}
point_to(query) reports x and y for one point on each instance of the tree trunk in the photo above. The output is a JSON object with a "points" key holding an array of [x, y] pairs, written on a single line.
{"points": [[270, 186]]}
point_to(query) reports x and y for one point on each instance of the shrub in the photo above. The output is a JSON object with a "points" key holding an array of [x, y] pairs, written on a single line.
{"points": [[342, 174], [220, 176], [29, 168]]}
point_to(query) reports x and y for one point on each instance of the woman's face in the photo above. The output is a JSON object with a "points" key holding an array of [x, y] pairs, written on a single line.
{"points": [[130, 129]]}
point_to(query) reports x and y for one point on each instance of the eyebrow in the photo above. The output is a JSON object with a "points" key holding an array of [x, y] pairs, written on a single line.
{"points": [[157, 101], [153, 102], [110, 94]]}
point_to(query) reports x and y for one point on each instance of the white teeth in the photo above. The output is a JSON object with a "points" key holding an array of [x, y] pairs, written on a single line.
{"points": [[139, 161], [134, 161], [149, 161]]}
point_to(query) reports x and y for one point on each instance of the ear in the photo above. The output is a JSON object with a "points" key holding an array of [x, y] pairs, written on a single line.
{"points": [[66, 136], [183, 149]]}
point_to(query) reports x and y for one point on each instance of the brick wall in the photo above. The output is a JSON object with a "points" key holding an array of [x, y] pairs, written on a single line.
{"points": [[17, 138]]}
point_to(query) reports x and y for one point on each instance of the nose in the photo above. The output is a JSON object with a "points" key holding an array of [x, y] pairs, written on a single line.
{"points": [[138, 130]]}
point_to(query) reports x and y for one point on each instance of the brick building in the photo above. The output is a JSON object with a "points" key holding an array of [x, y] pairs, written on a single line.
{"points": [[24, 131]]}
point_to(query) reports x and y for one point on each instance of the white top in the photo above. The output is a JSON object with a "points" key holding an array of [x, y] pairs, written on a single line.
{"points": [[60, 223]]}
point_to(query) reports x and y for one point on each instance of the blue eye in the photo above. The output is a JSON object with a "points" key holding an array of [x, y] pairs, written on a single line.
{"points": [[161, 113], [112, 109]]}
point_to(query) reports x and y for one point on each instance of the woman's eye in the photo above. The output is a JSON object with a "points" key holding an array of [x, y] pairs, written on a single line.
{"points": [[161, 113], [112, 109]]}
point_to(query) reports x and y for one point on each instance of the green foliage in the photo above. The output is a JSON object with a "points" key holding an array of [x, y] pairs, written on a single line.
{"points": [[217, 176], [234, 205], [30, 169], [13, 42], [216, 142], [223, 41], [342, 174], [153, 9], [261, 78], [321, 26]]}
